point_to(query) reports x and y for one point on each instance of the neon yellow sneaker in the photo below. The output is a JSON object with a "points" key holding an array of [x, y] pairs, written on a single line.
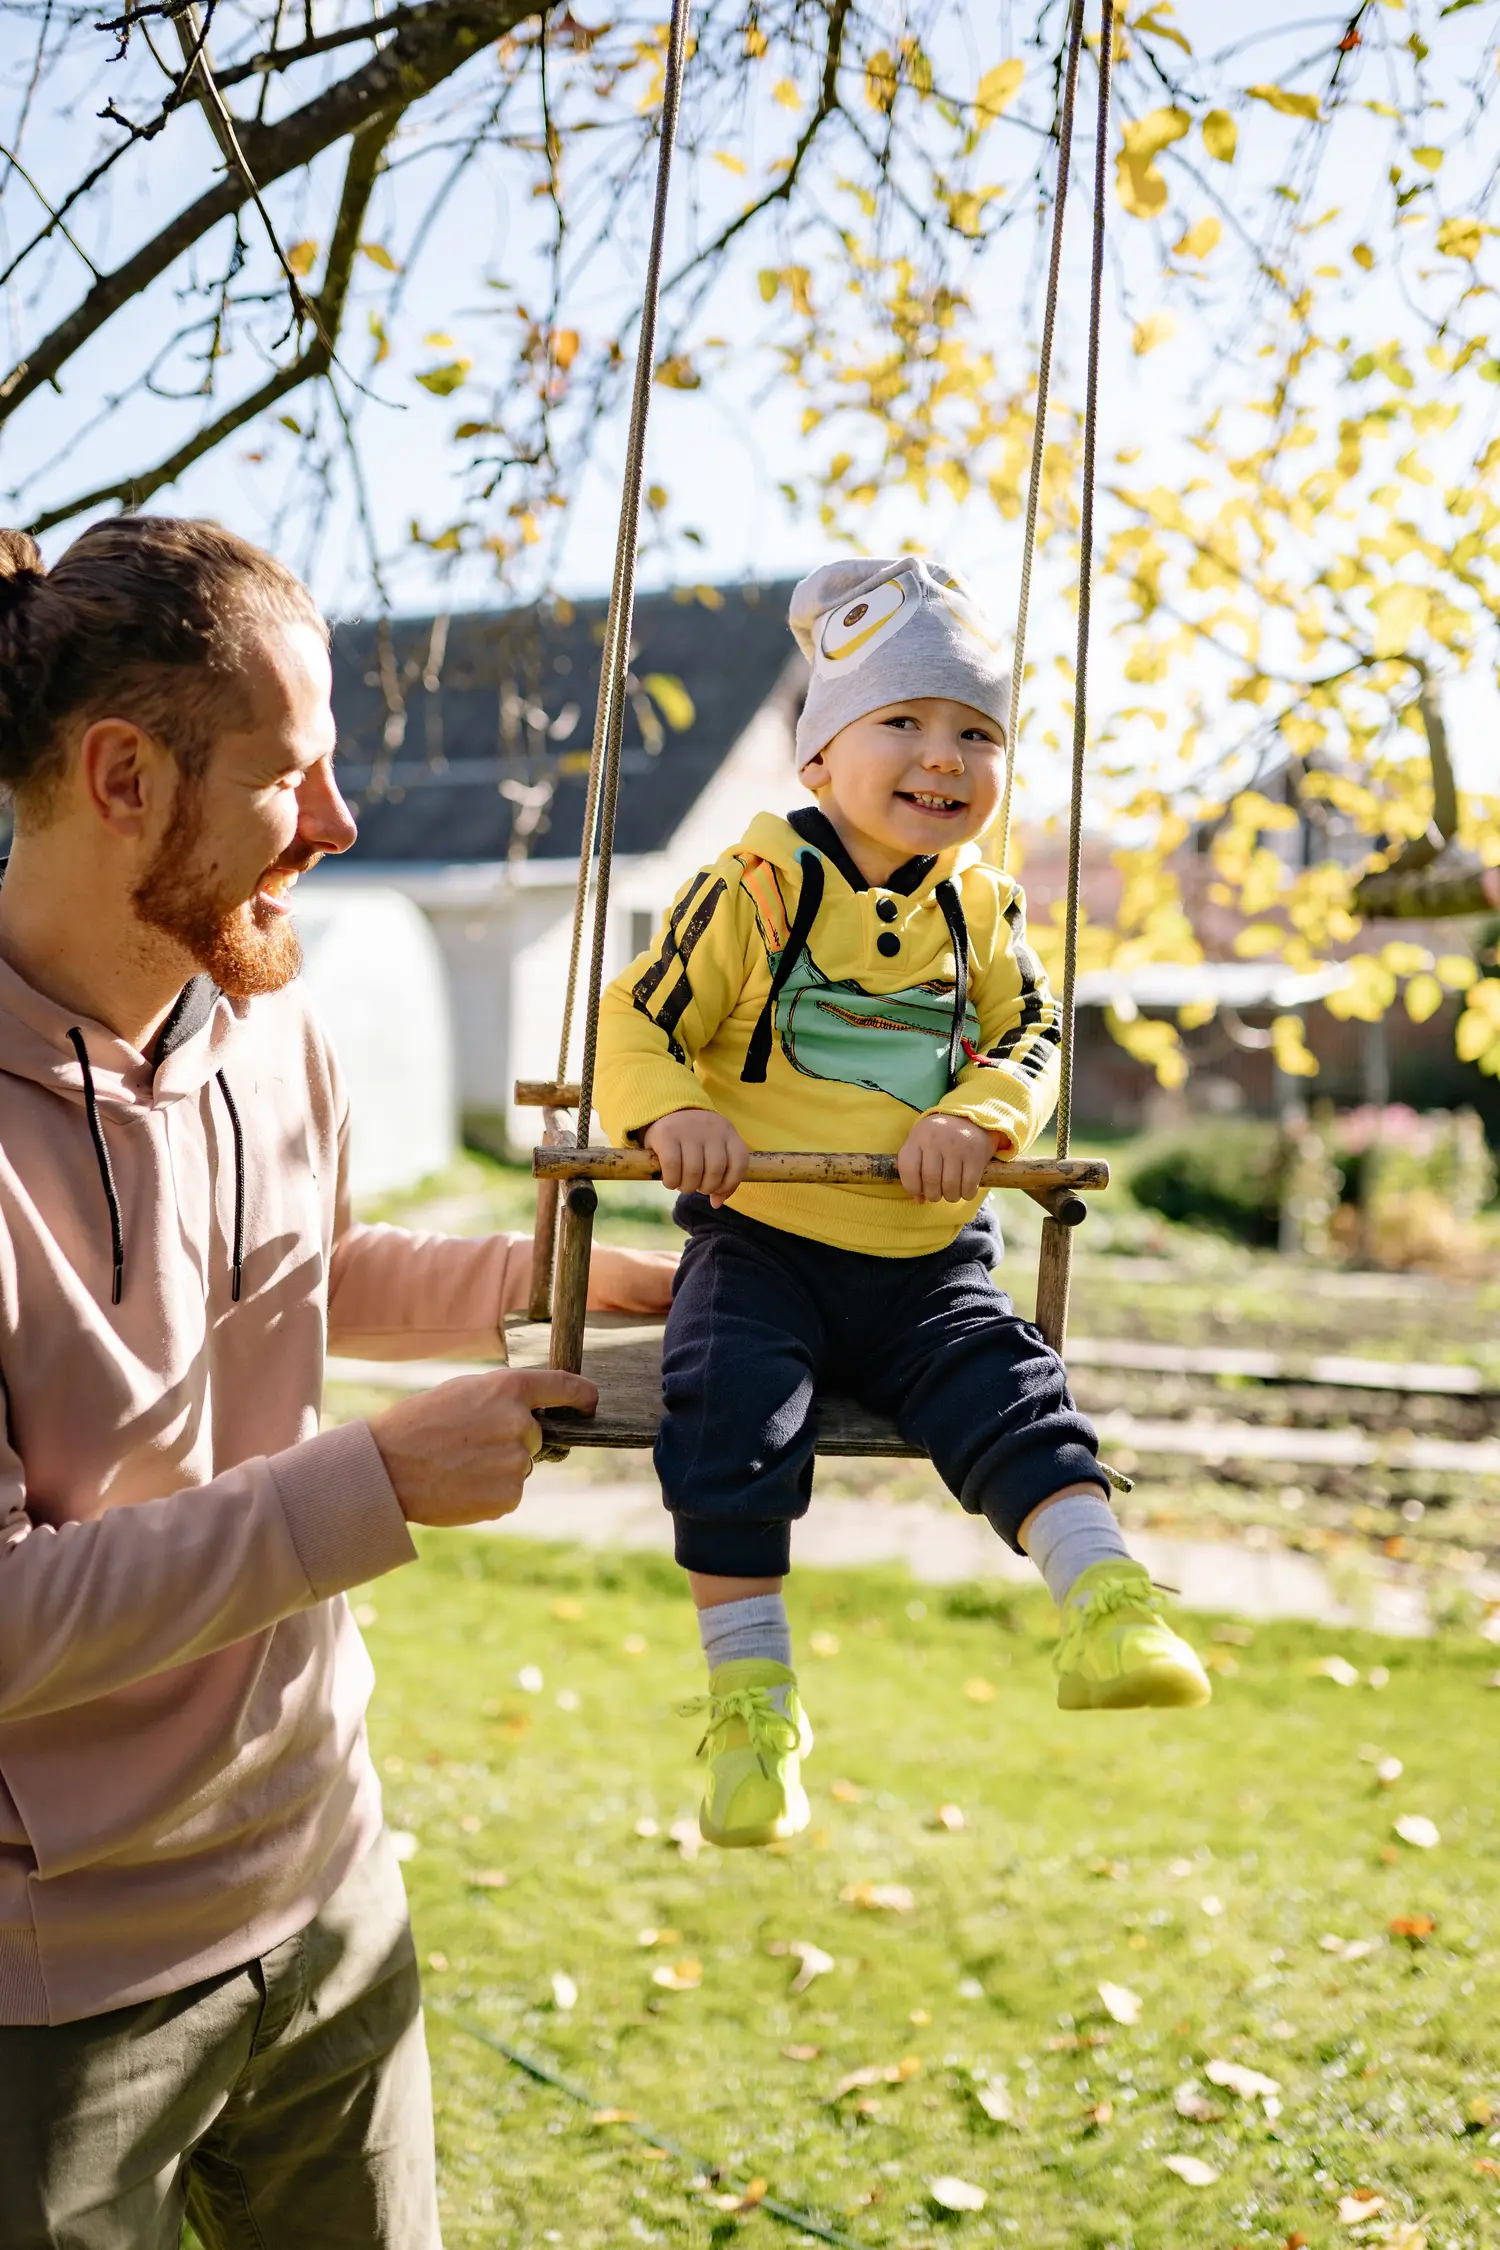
{"points": [[1116, 1652], [753, 1744]]}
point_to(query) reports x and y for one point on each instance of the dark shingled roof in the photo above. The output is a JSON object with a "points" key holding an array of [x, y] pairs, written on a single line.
{"points": [[499, 714]]}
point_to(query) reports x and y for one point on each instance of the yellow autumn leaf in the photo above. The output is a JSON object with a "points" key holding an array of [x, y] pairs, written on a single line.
{"points": [[1456, 971], [302, 257], [1400, 611], [671, 699], [756, 41], [1221, 135], [564, 346], [1286, 104], [881, 80], [439, 339], [1460, 238], [1424, 997], [1364, 256], [1290, 1049], [677, 373], [442, 381], [378, 255], [730, 162], [382, 341], [786, 92], [1200, 239], [1155, 329], [1138, 183], [998, 88], [1430, 159]]}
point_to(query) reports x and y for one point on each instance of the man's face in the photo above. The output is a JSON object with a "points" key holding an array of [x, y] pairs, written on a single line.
{"points": [[265, 810]]}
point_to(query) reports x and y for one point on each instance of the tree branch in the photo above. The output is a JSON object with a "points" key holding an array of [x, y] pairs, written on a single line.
{"points": [[328, 311], [417, 59]]}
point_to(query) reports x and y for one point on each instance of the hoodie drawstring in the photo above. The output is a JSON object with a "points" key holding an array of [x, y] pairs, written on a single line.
{"points": [[758, 1053], [958, 929], [107, 1176], [239, 1187], [106, 1170]]}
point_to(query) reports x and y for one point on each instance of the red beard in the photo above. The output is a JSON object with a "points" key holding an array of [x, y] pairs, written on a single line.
{"points": [[245, 946]]}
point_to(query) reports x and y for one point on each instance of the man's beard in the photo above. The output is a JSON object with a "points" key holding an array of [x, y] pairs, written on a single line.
{"points": [[245, 946]]}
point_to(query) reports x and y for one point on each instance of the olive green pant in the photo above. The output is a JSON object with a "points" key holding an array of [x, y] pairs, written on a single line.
{"points": [[282, 2106]]}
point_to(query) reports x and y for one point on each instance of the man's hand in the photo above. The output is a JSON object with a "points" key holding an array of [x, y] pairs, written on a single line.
{"points": [[942, 1158], [699, 1152], [462, 1453]]}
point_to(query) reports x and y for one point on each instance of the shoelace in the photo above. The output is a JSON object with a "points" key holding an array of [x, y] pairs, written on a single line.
{"points": [[772, 1733], [1102, 1601]]}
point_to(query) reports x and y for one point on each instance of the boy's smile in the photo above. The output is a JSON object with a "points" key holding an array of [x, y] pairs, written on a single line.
{"points": [[909, 780]]}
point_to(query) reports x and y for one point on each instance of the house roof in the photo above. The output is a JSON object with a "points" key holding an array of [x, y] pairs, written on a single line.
{"points": [[477, 745]]}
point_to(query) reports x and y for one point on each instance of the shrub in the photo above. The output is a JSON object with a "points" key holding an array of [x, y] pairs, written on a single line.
{"points": [[1223, 1174]]}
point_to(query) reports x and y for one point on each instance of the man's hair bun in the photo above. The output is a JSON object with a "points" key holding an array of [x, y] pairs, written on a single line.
{"points": [[21, 566]]}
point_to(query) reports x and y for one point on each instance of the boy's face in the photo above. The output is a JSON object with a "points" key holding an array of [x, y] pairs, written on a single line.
{"points": [[909, 780]]}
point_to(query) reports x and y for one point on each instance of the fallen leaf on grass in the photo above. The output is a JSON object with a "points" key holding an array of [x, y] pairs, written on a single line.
{"points": [[1335, 1668], [438, 1961], [802, 2053], [1415, 1828], [1067, 2042], [1488, 2166], [1121, 2003], [1481, 2111], [613, 2117], [1389, 1772], [1212, 1907], [1237, 2078], [646, 1828], [878, 1898], [489, 1879], [994, 2099], [687, 1836], [1415, 1928], [979, 1691], [1348, 1949], [1191, 2170], [815, 1963], [564, 1991], [678, 1976], [848, 1793], [1296, 2241], [1100, 2115], [878, 2074], [950, 2194], [1191, 2102], [950, 1817], [754, 2195], [647, 1938], [1363, 2204]]}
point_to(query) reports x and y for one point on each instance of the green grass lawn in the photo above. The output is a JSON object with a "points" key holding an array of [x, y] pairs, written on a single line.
{"points": [[1237, 1872]]}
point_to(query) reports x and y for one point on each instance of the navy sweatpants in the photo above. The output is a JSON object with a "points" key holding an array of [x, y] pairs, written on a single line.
{"points": [[760, 1317]]}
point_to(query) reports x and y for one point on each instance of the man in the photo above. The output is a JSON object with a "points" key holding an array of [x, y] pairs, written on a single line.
{"points": [[208, 1994]]}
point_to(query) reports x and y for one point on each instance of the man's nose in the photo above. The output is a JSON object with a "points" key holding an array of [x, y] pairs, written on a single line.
{"points": [[323, 818]]}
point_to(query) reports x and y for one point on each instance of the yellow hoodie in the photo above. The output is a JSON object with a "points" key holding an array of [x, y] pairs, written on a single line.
{"points": [[815, 1013]]}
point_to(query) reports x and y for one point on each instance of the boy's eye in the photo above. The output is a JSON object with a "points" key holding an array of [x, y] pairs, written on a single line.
{"points": [[902, 719]]}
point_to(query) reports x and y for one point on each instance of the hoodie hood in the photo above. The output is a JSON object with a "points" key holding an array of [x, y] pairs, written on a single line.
{"points": [[35, 1044]]}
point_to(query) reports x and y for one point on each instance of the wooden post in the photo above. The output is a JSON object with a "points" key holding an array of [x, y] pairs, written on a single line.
{"points": [[1053, 1273], [543, 1251], [544, 1235], [571, 1287]]}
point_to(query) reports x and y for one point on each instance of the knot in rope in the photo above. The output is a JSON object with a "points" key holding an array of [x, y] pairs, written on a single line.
{"points": [[772, 1733]]}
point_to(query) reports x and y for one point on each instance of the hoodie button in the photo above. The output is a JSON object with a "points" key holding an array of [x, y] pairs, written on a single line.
{"points": [[888, 943], [887, 909]]}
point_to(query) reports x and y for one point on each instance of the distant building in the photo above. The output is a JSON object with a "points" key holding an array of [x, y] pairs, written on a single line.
{"points": [[464, 750]]}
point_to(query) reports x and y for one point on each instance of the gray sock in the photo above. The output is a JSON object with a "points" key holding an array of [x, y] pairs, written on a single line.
{"points": [[756, 1626], [1071, 1534]]}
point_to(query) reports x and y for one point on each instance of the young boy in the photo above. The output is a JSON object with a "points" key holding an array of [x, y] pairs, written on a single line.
{"points": [[856, 977]]}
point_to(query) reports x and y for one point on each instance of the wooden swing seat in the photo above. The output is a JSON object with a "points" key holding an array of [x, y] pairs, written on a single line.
{"points": [[623, 1356]]}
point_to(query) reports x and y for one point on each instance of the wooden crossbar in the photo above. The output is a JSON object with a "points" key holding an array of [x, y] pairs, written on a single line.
{"points": [[1030, 1175], [546, 1093]]}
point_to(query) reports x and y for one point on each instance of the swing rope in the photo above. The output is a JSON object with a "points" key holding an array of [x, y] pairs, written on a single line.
{"points": [[1085, 591], [609, 719], [1039, 427]]}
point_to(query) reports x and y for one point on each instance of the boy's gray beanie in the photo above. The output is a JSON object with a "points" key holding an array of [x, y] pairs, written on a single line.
{"points": [[878, 632]]}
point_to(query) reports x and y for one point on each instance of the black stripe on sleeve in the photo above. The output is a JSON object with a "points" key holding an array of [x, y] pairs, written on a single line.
{"points": [[660, 968]]}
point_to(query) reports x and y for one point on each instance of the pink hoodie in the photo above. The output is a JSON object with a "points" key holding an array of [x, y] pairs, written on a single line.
{"points": [[184, 1776]]}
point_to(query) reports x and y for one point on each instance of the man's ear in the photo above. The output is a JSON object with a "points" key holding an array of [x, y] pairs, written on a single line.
{"points": [[122, 772]]}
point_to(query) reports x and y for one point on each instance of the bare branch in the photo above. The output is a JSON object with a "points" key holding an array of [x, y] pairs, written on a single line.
{"points": [[328, 311], [417, 59]]}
